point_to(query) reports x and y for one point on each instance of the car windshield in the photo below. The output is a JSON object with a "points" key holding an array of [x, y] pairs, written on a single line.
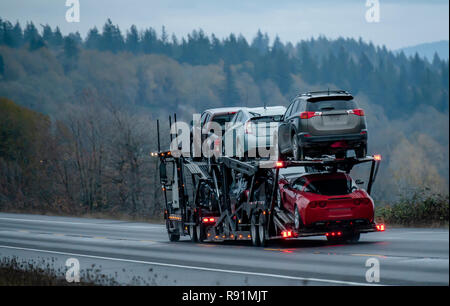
{"points": [[319, 106], [330, 187]]}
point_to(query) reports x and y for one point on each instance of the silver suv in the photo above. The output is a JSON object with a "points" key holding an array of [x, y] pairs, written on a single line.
{"points": [[323, 122]]}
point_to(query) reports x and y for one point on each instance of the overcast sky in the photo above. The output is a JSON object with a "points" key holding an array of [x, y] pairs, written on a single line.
{"points": [[402, 22]]}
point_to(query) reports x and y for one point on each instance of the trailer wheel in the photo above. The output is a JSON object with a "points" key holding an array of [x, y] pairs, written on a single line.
{"points": [[200, 230], [353, 237], [193, 230], [172, 236], [254, 231], [262, 230]]}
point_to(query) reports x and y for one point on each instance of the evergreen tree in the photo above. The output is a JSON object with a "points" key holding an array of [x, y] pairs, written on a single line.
{"points": [[93, 39], [71, 53], [30, 34], [12, 36], [132, 40], [112, 39], [149, 41], [261, 43], [47, 34], [57, 39]]}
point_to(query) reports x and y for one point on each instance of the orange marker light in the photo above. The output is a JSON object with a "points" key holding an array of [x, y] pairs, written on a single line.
{"points": [[377, 157]]}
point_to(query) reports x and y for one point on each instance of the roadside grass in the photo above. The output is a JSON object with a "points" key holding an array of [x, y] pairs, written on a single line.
{"points": [[431, 211], [39, 273], [42, 272]]}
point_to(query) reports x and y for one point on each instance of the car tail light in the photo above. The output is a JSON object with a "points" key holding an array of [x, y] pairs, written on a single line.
{"points": [[357, 112], [279, 164], [322, 204], [381, 227], [249, 127], [307, 115], [365, 201], [209, 220], [286, 234], [313, 204]]}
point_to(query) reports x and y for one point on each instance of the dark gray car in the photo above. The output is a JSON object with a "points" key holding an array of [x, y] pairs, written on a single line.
{"points": [[321, 123]]}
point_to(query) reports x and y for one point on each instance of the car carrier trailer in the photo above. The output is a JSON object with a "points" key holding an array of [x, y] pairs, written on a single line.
{"points": [[230, 199]]}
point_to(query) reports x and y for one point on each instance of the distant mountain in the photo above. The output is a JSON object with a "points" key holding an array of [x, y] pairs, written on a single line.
{"points": [[428, 49]]}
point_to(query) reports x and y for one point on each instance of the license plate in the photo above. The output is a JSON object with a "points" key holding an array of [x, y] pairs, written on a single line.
{"points": [[334, 119]]}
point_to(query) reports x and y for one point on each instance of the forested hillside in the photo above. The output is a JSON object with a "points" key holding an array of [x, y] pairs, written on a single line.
{"points": [[148, 74]]}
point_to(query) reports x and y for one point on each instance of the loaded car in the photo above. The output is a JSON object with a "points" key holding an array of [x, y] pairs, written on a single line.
{"points": [[322, 123], [246, 130], [319, 199], [218, 115]]}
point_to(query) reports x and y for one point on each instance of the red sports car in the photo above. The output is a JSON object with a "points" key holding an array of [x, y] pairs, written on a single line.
{"points": [[319, 199]]}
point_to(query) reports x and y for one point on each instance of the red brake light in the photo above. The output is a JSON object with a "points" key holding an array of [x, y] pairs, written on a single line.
{"points": [[357, 201], [279, 164], [209, 220], [357, 112], [322, 204], [313, 204], [381, 227], [365, 201], [286, 234], [307, 115]]}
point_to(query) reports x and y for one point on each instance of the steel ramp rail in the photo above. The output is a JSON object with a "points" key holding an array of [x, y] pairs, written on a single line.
{"points": [[198, 168]]}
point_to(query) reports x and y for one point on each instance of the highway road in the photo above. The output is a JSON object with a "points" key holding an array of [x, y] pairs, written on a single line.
{"points": [[140, 253]]}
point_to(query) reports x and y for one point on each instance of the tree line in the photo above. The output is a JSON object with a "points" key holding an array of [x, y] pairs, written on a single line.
{"points": [[397, 82]]}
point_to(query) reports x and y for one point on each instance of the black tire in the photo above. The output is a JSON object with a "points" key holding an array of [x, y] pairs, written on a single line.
{"points": [[298, 223], [254, 231], [361, 152], [193, 230], [262, 230], [354, 237], [296, 149], [201, 236], [172, 236]]}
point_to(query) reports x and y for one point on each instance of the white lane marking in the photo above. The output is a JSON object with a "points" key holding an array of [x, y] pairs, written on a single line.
{"points": [[83, 223], [331, 281]]}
